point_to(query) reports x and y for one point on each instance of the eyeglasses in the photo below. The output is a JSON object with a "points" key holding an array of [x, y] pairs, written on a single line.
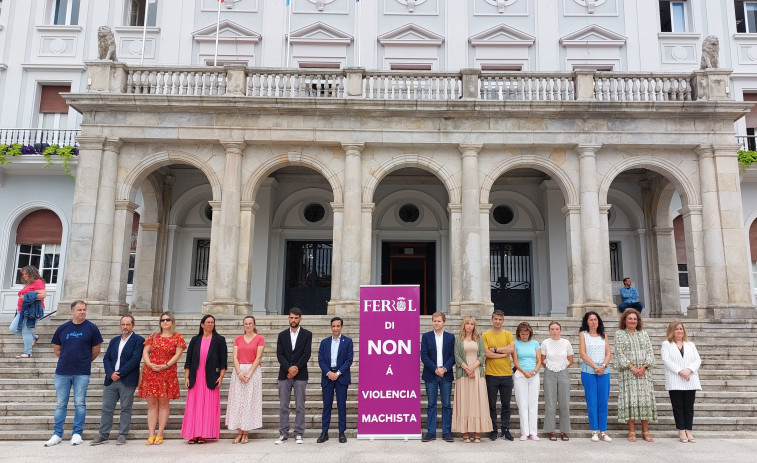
{"points": [[165, 320]]}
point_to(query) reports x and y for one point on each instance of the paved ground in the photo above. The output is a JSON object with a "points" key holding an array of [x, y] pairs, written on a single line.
{"points": [[662, 450]]}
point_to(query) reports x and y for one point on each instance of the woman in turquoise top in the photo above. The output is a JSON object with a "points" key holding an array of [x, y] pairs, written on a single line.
{"points": [[527, 360]]}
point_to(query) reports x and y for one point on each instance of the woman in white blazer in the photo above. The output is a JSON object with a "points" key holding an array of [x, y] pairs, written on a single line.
{"points": [[682, 364]]}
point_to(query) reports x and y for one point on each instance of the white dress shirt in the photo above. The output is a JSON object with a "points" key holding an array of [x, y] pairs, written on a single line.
{"points": [[335, 350], [293, 336], [675, 362], [439, 348], [121, 345]]}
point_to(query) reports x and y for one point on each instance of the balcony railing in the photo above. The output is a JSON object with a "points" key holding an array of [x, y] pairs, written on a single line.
{"points": [[355, 83], [748, 142], [39, 139]]}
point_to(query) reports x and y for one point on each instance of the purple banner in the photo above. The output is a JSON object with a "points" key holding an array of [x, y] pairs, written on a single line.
{"points": [[389, 396]]}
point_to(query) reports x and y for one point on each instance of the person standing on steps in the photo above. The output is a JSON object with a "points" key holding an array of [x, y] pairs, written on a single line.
{"points": [[76, 343], [438, 357], [293, 348], [498, 347], [335, 358]]}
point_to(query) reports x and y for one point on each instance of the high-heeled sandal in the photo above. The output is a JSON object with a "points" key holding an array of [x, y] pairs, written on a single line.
{"points": [[244, 440], [647, 437], [631, 436], [158, 440], [238, 439], [690, 437], [150, 440]]}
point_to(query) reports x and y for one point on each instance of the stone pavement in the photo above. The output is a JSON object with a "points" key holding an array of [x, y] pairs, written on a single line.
{"points": [[264, 450]]}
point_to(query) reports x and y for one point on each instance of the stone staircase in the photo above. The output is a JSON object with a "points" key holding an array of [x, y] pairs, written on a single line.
{"points": [[726, 407]]}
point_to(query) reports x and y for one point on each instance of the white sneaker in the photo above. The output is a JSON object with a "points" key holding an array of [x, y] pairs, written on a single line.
{"points": [[298, 439], [55, 440], [606, 438], [280, 440], [76, 439], [594, 436]]}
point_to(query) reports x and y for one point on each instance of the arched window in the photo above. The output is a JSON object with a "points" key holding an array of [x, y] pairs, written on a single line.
{"points": [[38, 240]]}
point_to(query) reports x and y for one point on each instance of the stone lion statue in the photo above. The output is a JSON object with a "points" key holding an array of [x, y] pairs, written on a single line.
{"points": [[710, 52], [106, 44]]}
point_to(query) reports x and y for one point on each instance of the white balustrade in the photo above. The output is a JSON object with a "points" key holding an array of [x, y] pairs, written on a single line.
{"points": [[526, 86], [403, 86], [189, 81], [641, 87], [294, 84]]}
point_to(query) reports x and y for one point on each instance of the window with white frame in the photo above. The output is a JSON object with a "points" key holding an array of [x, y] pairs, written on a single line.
{"points": [[46, 257], [673, 16], [137, 10], [53, 109], [65, 12], [746, 17]]}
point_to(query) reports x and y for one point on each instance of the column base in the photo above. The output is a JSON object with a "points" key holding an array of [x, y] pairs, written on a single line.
{"points": [[476, 309], [454, 308], [226, 308], [730, 312], [95, 309], [343, 308], [606, 311]]}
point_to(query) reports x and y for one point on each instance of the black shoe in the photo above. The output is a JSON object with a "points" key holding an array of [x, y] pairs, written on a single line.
{"points": [[493, 435], [428, 437], [322, 438], [448, 438], [506, 434], [342, 438]]}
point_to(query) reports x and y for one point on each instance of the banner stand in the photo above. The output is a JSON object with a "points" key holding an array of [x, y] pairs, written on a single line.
{"points": [[389, 392]]}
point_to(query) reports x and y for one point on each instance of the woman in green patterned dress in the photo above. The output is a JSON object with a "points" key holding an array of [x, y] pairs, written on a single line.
{"points": [[633, 359]]}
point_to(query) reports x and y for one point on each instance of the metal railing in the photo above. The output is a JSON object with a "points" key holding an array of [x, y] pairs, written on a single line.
{"points": [[39, 139], [748, 142]]}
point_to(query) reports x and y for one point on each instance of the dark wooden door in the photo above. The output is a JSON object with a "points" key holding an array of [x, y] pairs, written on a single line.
{"points": [[411, 263], [307, 282], [510, 269]]}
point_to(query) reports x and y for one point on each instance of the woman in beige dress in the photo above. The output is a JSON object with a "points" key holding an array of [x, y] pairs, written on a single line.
{"points": [[470, 413]]}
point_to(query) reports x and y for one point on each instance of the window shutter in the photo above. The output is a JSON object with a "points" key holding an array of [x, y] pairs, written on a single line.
{"points": [[40, 227], [50, 100]]}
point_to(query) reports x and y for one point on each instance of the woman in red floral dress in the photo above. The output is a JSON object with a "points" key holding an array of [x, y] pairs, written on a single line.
{"points": [[159, 381]]}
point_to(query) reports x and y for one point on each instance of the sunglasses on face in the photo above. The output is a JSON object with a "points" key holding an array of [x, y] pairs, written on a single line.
{"points": [[165, 320]]}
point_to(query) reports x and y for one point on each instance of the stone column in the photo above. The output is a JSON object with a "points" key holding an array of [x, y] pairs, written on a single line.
{"points": [[122, 224], [162, 244], [692, 228], [670, 303], [351, 227], [455, 257], [168, 277], [92, 223], [215, 237], [593, 248], [732, 228], [714, 252], [144, 268], [575, 273], [227, 238], [366, 254], [244, 266], [556, 251], [486, 286], [604, 211], [470, 242], [336, 257]]}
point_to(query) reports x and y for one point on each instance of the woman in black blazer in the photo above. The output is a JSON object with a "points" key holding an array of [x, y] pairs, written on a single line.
{"points": [[207, 353]]}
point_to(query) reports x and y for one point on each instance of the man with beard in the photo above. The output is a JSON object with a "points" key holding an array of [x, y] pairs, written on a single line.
{"points": [[121, 363], [293, 352]]}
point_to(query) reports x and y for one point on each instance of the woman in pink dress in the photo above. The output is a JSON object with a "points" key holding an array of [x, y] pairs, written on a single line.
{"points": [[206, 355], [244, 409]]}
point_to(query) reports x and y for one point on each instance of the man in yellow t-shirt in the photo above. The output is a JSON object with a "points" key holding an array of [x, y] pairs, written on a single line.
{"points": [[498, 345]]}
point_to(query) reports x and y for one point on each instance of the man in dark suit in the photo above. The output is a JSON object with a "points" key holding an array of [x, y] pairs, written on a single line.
{"points": [[438, 357], [335, 358], [121, 363], [293, 352]]}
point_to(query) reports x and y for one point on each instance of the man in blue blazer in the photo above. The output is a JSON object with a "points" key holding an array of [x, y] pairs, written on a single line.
{"points": [[121, 363], [335, 358], [438, 357]]}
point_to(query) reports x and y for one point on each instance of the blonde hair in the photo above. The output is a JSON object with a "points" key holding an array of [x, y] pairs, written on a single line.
{"points": [[474, 334], [173, 323], [671, 327]]}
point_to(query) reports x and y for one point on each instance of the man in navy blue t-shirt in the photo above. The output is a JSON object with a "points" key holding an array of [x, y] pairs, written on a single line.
{"points": [[76, 343]]}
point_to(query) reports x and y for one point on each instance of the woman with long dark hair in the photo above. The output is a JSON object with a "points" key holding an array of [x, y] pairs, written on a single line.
{"points": [[594, 350], [206, 355]]}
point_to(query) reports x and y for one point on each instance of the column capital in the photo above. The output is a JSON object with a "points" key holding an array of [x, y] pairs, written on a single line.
{"points": [[251, 206], [604, 208], [690, 210], [233, 146], [169, 180], [571, 209], [704, 151], [729, 149], [90, 143], [588, 149], [113, 145], [368, 207], [469, 149], [149, 226], [455, 208], [353, 149], [126, 205], [337, 207], [216, 205], [485, 207], [663, 230]]}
